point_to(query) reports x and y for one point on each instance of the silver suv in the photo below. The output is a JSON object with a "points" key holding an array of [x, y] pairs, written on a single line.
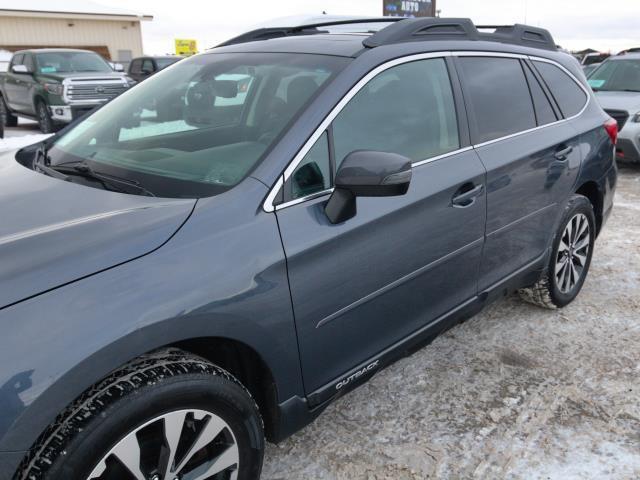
{"points": [[617, 86]]}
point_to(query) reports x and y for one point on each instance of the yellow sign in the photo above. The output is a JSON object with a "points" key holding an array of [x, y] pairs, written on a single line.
{"points": [[186, 47]]}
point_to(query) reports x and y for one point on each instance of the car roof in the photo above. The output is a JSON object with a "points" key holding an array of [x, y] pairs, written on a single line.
{"points": [[350, 45], [157, 56], [342, 45], [626, 56], [46, 50], [353, 36]]}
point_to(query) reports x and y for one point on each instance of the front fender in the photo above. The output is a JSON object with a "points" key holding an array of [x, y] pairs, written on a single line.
{"points": [[222, 275]]}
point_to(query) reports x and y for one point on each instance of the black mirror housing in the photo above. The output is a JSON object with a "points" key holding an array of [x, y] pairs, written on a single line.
{"points": [[366, 173]]}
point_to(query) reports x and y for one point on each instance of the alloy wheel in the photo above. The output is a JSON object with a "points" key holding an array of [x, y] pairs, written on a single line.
{"points": [[180, 445], [573, 252]]}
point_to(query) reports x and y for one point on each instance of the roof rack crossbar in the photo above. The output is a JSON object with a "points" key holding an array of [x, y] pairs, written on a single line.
{"points": [[420, 29], [306, 29], [404, 30]]}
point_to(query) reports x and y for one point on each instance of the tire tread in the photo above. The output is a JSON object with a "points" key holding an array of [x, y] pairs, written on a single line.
{"points": [[143, 371]]}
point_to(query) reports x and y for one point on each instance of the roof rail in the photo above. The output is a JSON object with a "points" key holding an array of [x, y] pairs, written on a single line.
{"points": [[267, 33], [421, 29]]}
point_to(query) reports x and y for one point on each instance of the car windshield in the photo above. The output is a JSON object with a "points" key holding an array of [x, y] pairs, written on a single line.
{"points": [[616, 75], [197, 129], [165, 62], [67, 62]]}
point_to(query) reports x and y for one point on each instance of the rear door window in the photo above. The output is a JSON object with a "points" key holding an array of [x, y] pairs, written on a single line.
{"points": [[498, 97], [566, 92]]}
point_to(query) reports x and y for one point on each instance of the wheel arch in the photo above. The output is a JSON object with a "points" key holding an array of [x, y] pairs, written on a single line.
{"points": [[239, 358], [591, 190], [38, 97], [244, 363]]}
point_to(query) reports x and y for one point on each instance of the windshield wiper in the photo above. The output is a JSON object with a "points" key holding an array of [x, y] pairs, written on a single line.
{"points": [[41, 161], [81, 169]]}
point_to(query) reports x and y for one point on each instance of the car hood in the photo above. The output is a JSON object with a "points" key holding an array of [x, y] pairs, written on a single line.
{"points": [[53, 232], [59, 77], [627, 101]]}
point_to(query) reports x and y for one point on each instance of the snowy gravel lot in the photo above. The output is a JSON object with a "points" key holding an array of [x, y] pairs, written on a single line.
{"points": [[515, 392], [24, 134]]}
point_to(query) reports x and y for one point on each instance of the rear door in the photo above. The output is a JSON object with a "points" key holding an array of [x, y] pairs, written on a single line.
{"points": [[531, 155], [401, 262]]}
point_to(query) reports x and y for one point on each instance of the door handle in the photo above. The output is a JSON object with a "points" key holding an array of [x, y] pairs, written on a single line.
{"points": [[563, 153], [466, 196]]}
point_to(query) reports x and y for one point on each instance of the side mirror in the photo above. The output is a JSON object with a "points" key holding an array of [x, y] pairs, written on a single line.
{"points": [[20, 69], [365, 173]]}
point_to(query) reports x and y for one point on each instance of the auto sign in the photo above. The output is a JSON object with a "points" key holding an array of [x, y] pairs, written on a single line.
{"points": [[409, 8]]}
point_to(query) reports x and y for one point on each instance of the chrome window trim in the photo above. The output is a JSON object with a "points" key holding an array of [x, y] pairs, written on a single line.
{"points": [[268, 202], [311, 196], [330, 190], [268, 205], [557, 122], [473, 53], [440, 157]]}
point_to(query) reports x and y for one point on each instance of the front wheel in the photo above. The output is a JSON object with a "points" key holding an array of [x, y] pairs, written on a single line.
{"points": [[165, 416], [45, 123], [570, 258]]}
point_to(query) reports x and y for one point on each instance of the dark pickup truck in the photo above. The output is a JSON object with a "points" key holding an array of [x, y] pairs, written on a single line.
{"points": [[56, 86]]}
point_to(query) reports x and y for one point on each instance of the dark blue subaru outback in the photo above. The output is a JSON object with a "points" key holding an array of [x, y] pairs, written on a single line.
{"points": [[213, 257]]}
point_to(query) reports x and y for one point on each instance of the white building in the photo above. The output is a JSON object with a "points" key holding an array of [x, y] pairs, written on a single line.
{"points": [[112, 32]]}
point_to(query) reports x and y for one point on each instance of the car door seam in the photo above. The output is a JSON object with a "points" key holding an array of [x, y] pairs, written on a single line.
{"points": [[293, 310]]}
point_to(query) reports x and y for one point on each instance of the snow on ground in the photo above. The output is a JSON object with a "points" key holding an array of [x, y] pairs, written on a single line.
{"points": [[26, 133], [19, 142], [516, 392]]}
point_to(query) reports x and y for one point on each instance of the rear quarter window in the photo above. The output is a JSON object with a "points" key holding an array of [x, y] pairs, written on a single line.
{"points": [[542, 104], [567, 93]]}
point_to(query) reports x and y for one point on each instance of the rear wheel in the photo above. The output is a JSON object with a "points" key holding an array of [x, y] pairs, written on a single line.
{"points": [[570, 258], [165, 416], [44, 117], [6, 118]]}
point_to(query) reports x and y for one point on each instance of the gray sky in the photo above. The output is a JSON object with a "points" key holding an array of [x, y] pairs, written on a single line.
{"points": [[576, 24]]}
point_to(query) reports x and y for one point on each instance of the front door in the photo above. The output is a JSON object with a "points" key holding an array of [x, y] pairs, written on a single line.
{"points": [[15, 85], [401, 262]]}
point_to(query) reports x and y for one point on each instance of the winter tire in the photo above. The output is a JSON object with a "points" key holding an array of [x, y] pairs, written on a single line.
{"points": [[165, 416], [44, 117], [570, 257]]}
